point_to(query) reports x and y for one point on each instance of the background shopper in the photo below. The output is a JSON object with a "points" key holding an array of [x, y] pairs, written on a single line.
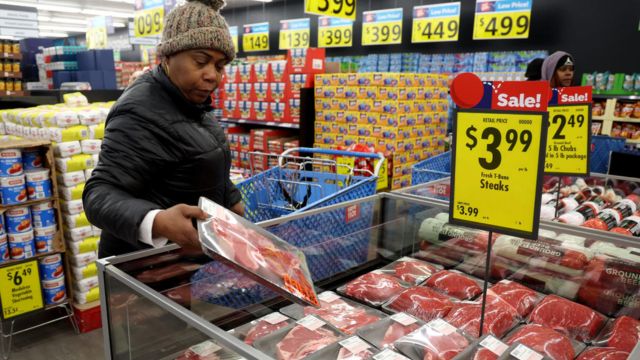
{"points": [[559, 69]]}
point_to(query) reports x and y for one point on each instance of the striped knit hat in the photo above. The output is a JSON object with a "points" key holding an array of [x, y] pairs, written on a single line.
{"points": [[196, 25]]}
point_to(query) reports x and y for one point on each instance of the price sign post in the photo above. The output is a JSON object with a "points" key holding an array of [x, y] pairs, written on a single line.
{"points": [[502, 19], [345, 9], [382, 27], [333, 32], [20, 290], [295, 34], [255, 37], [439, 22]]}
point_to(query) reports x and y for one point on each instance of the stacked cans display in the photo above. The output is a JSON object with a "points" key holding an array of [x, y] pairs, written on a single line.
{"points": [[27, 231], [52, 279], [23, 176]]}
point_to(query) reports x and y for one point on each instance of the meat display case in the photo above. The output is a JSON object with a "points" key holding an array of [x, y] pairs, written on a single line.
{"points": [[169, 304]]}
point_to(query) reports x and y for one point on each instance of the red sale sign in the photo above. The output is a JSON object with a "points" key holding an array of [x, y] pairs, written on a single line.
{"points": [[574, 95], [520, 95]]}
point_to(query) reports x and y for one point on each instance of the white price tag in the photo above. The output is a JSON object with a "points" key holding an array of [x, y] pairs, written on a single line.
{"points": [[275, 318], [388, 354], [522, 352], [354, 344], [205, 349], [494, 345], [403, 319], [311, 322], [328, 296], [442, 327]]}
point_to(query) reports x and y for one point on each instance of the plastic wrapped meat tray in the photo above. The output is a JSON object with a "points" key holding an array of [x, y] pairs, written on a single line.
{"points": [[487, 347], [374, 288], [437, 340], [410, 270], [352, 348], [259, 328], [547, 282], [208, 350], [422, 302], [622, 333], [299, 340], [385, 332], [501, 268], [518, 296], [344, 314], [545, 341], [499, 317], [455, 284], [603, 353]]}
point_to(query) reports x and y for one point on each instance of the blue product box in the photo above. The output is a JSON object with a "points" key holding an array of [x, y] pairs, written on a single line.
{"points": [[109, 80], [60, 77], [86, 61], [104, 59], [95, 78]]}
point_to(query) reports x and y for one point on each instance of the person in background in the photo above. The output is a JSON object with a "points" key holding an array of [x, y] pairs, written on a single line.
{"points": [[534, 70], [558, 69], [162, 148]]}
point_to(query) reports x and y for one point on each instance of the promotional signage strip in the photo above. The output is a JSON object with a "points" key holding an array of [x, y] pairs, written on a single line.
{"points": [[345, 9], [382, 27], [434, 23], [255, 37], [295, 34], [502, 19], [334, 32]]}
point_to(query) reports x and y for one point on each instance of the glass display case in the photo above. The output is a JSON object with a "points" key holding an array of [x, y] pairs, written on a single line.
{"points": [[169, 304]]}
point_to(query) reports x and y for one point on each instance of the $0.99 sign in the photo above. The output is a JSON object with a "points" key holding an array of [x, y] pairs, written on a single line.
{"points": [[255, 37], [568, 140], [382, 27], [438, 22], [148, 22], [345, 9], [497, 166], [20, 289], [502, 19]]}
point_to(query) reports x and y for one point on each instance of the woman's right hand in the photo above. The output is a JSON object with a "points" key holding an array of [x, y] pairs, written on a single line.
{"points": [[176, 225]]}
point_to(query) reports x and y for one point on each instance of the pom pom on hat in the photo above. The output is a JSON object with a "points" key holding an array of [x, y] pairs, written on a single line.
{"points": [[217, 5]]}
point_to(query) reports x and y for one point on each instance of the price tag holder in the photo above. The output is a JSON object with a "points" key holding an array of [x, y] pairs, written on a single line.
{"points": [[502, 19], [494, 345], [404, 319], [20, 290], [233, 30], [388, 354], [148, 22], [568, 140], [275, 318], [255, 37], [498, 160], [295, 34], [345, 9], [522, 352], [328, 296], [311, 322], [382, 27], [334, 32], [436, 23]]}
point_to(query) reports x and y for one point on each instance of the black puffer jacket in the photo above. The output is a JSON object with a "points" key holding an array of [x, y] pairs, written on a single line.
{"points": [[159, 150]]}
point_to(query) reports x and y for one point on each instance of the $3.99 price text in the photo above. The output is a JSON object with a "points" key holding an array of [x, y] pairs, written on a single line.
{"points": [[149, 22], [502, 26], [336, 8], [494, 136], [378, 34]]}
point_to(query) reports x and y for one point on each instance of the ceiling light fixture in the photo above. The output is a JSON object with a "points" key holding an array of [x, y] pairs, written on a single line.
{"points": [[62, 28], [53, 34], [55, 19]]}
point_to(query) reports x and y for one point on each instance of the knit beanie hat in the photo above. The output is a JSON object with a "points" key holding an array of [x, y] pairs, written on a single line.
{"points": [[552, 62], [196, 25]]}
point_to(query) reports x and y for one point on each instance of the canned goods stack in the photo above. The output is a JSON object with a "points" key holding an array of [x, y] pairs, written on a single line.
{"points": [[11, 80], [52, 279]]}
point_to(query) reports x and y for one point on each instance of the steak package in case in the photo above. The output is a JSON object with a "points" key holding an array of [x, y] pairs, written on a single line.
{"points": [[518, 296], [603, 353], [567, 317], [499, 316], [518, 351], [487, 347], [208, 350], [410, 270], [545, 341], [344, 314], [455, 284], [256, 252], [298, 340], [501, 268], [622, 333], [385, 332], [256, 329], [374, 288], [548, 282], [437, 340], [353, 348], [422, 302]]}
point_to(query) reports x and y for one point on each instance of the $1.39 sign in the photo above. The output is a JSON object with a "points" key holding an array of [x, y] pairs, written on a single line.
{"points": [[148, 22], [502, 19], [568, 140], [345, 9], [333, 32], [439, 22], [295, 34], [382, 27], [497, 167], [20, 289], [255, 37]]}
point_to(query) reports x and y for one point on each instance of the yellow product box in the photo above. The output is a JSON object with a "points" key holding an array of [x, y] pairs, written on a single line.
{"points": [[319, 115], [430, 119], [386, 106], [410, 93], [419, 106], [323, 127], [400, 182], [387, 93], [406, 119], [367, 92], [322, 80], [322, 92], [387, 145], [364, 79], [329, 116], [350, 140], [341, 92], [342, 129], [352, 79], [364, 130], [387, 119], [351, 92], [339, 104], [400, 157], [361, 105], [367, 141], [385, 79], [338, 79], [401, 169], [406, 80], [368, 118], [323, 104], [339, 140], [326, 139], [339, 116], [351, 117], [405, 107], [443, 105]]}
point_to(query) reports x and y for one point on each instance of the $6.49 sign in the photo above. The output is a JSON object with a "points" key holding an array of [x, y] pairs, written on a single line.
{"points": [[148, 22], [497, 165], [20, 289]]}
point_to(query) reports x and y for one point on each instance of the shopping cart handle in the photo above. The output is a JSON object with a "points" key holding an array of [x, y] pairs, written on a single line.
{"points": [[378, 156]]}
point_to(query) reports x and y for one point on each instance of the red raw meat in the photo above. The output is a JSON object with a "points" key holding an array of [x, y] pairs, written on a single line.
{"points": [[345, 354], [625, 333], [570, 318], [396, 331], [501, 268], [262, 328], [454, 284], [499, 317], [200, 351], [413, 271], [601, 298], [343, 316], [375, 288], [484, 354], [544, 341], [519, 296], [603, 354], [613, 273], [438, 346], [544, 250], [423, 303], [301, 342]]}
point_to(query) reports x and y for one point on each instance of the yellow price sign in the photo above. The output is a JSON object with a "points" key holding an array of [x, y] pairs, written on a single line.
{"points": [[233, 30], [498, 160], [344, 165], [255, 37], [568, 140], [382, 27], [148, 22], [97, 38], [433, 23], [334, 32], [502, 19], [295, 34], [20, 289], [345, 9]]}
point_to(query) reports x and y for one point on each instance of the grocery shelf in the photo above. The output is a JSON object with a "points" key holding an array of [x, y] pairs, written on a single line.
{"points": [[263, 123], [11, 74], [629, 120], [599, 118], [622, 97], [26, 203], [10, 56], [35, 257]]}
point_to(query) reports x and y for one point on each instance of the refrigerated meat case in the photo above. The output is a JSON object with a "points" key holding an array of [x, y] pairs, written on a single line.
{"points": [[160, 303]]}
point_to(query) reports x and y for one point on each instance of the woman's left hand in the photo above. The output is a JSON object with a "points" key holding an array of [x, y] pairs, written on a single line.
{"points": [[238, 208]]}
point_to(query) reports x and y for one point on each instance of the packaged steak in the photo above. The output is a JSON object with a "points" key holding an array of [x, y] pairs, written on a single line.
{"points": [[344, 314], [261, 327], [622, 333], [385, 332], [352, 348], [298, 340], [518, 351], [499, 317], [410, 270], [455, 284], [374, 288], [437, 340], [487, 347], [544, 341], [422, 302], [501, 268], [548, 282], [208, 350], [518, 296], [603, 353]]}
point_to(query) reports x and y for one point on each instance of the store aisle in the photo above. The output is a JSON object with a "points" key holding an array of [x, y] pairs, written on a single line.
{"points": [[57, 342]]}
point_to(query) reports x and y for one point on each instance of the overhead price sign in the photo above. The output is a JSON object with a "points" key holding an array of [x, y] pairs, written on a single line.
{"points": [[233, 30], [334, 32], [345, 9], [255, 37], [20, 289], [148, 22], [96, 35], [295, 34], [382, 27], [502, 19], [433, 23], [569, 134]]}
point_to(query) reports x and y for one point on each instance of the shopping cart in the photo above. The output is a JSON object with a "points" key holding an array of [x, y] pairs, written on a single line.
{"points": [[431, 169], [300, 183]]}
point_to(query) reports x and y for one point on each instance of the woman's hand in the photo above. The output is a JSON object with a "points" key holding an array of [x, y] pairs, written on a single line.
{"points": [[176, 225], [238, 208]]}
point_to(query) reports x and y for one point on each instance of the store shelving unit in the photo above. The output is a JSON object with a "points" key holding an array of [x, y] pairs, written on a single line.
{"points": [[608, 119], [262, 123]]}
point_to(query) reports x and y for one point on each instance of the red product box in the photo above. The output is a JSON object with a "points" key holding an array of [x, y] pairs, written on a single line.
{"points": [[294, 110], [279, 112], [246, 73], [87, 317], [261, 72], [261, 111], [231, 74], [277, 146], [279, 92], [299, 81], [244, 109], [230, 109], [231, 91], [260, 91], [260, 138], [306, 61], [244, 91]]}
